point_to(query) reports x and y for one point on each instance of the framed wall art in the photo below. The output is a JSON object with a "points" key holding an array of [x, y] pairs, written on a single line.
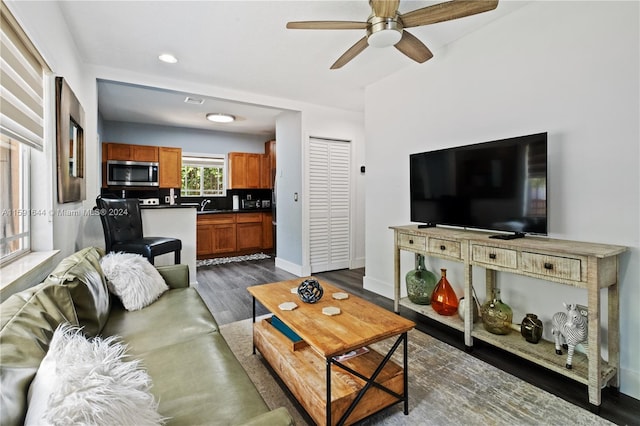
{"points": [[70, 144]]}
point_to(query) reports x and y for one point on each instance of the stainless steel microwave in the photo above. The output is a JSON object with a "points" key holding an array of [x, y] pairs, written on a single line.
{"points": [[132, 173]]}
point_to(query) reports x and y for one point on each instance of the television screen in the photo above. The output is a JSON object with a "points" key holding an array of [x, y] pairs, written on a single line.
{"points": [[499, 185]]}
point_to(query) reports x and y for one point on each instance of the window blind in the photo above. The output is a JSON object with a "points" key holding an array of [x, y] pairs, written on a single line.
{"points": [[22, 72], [202, 161]]}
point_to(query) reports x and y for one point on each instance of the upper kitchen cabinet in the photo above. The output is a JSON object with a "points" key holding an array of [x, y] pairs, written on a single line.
{"points": [[169, 161], [129, 152], [244, 170], [170, 167], [249, 170]]}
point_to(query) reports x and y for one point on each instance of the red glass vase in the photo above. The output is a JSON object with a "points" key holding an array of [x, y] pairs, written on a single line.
{"points": [[444, 300]]}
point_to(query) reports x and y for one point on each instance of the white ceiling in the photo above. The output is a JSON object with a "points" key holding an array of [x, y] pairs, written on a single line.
{"points": [[243, 46]]}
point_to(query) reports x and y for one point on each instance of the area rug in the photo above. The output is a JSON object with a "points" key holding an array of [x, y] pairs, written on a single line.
{"points": [[223, 260], [446, 387]]}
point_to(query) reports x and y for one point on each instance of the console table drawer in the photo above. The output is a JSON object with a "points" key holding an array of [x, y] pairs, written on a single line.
{"points": [[412, 242], [445, 247], [495, 256], [552, 266]]}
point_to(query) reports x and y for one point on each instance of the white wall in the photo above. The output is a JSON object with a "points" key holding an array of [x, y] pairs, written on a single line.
{"points": [[567, 68], [44, 23], [190, 140]]}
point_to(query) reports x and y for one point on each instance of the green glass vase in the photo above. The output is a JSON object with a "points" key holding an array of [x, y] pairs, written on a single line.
{"points": [[497, 315], [420, 283]]}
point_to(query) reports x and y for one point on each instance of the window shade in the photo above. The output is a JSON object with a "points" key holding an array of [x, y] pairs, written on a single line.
{"points": [[202, 161], [21, 84]]}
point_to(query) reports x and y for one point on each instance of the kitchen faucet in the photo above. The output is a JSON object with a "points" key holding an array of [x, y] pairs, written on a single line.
{"points": [[203, 204]]}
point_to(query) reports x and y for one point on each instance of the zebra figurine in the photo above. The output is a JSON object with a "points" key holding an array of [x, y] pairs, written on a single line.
{"points": [[570, 327]]}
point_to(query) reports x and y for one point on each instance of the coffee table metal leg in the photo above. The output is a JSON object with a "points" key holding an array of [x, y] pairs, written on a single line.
{"points": [[405, 358], [328, 404], [371, 381], [253, 315]]}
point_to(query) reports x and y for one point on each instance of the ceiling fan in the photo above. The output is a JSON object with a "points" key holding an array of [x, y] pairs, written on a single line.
{"points": [[386, 27]]}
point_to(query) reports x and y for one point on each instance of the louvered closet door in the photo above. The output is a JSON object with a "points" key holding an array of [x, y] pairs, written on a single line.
{"points": [[329, 165]]}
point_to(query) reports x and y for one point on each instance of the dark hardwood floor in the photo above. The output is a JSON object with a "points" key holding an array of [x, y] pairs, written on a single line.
{"points": [[223, 289]]}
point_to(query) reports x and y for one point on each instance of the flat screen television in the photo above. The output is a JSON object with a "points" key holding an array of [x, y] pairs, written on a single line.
{"points": [[499, 185]]}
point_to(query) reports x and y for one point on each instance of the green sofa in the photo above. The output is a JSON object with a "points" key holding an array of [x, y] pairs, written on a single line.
{"points": [[196, 378]]}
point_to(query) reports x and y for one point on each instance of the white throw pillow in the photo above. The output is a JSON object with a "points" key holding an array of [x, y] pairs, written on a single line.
{"points": [[133, 279], [90, 382]]}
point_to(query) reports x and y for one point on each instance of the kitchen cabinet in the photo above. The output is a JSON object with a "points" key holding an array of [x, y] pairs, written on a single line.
{"points": [[170, 167], [216, 235], [267, 231], [265, 171], [589, 266], [249, 170], [244, 170], [231, 234], [129, 152], [249, 231]]}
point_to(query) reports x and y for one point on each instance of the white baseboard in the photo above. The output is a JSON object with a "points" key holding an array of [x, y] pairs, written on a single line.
{"points": [[382, 288], [630, 382], [293, 268], [357, 263]]}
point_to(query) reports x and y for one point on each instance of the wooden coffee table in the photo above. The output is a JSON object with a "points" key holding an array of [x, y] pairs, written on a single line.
{"points": [[333, 391]]}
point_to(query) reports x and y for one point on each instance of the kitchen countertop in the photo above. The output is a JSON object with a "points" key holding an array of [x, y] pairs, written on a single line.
{"points": [[195, 205], [220, 211], [169, 206]]}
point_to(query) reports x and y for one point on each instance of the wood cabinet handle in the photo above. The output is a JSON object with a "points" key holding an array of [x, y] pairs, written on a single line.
{"points": [[548, 266], [410, 241], [443, 247], [492, 256]]}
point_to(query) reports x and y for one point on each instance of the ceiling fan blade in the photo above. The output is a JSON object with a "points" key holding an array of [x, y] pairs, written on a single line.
{"points": [[446, 11], [327, 25], [384, 8], [413, 48], [353, 51]]}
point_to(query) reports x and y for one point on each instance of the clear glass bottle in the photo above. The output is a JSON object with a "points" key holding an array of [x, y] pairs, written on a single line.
{"points": [[497, 315], [420, 283], [444, 300]]}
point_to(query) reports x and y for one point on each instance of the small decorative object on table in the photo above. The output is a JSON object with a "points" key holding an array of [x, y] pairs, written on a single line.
{"points": [[444, 300], [340, 296], [310, 291], [476, 309], [331, 311], [420, 283], [497, 315], [570, 326], [531, 328]]}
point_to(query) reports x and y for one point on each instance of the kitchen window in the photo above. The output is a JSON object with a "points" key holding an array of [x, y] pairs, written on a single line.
{"points": [[203, 175], [21, 131]]}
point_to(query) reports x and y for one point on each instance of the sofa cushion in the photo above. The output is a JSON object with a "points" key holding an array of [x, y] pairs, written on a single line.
{"points": [[133, 279], [82, 274], [84, 381], [178, 316], [28, 320], [202, 382]]}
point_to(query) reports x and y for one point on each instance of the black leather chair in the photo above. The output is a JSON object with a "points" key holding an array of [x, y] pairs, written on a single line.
{"points": [[122, 225]]}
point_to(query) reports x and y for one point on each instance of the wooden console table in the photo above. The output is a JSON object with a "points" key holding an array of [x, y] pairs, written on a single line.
{"points": [[578, 264]]}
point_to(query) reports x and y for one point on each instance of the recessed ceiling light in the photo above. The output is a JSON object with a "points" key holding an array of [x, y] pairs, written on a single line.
{"points": [[220, 118], [168, 58]]}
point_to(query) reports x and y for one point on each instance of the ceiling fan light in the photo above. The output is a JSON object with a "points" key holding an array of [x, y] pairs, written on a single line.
{"points": [[384, 38], [217, 117]]}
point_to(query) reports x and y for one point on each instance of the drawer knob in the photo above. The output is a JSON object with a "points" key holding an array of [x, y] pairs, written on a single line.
{"points": [[410, 241], [492, 256], [443, 247], [548, 266]]}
